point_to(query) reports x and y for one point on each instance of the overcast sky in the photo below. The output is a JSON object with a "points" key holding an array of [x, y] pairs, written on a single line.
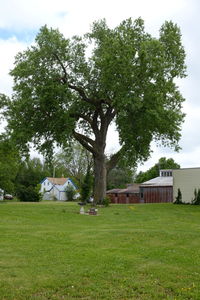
{"points": [[20, 21]]}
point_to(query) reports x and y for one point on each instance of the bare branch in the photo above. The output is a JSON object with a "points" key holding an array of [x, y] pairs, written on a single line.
{"points": [[85, 141]]}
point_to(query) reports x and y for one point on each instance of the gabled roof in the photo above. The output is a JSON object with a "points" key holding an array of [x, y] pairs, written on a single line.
{"points": [[158, 181], [131, 189], [113, 191], [57, 181]]}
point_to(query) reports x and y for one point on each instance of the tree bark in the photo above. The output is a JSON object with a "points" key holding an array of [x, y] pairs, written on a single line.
{"points": [[100, 178]]}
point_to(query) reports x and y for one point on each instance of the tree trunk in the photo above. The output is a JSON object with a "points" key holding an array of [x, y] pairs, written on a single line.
{"points": [[100, 178]]}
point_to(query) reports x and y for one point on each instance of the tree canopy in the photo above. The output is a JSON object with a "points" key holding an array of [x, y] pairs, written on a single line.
{"points": [[66, 89], [153, 172]]}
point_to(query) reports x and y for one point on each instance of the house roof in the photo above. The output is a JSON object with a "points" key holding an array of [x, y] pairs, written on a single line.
{"points": [[158, 181], [57, 181], [113, 191], [130, 189]]}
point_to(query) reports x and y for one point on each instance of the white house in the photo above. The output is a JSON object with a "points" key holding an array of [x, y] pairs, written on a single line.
{"points": [[55, 188]]}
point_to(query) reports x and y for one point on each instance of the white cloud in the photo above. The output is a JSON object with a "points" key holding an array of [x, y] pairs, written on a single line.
{"points": [[8, 49]]}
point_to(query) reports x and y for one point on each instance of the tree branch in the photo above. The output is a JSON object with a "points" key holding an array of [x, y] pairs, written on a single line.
{"points": [[85, 141], [84, 117], [74, 87], [114, 160]]}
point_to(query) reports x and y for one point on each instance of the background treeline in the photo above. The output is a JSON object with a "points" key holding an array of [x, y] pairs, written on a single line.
{"points": [[20, 175]]}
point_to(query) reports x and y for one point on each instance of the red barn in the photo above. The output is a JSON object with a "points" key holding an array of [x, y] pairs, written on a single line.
{"points": [[130, 194], [159, 189]]}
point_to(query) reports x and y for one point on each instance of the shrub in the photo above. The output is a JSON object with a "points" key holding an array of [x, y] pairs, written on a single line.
{"points": [[70, 192], [178, 198], [86, 186], [196, 200], [29, 194], [106, 201]]}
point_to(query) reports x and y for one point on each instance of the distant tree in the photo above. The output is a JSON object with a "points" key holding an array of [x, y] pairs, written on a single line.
{"points": [[9, 164], [119, 176], [63, 92], [87, 186], [29, 194], [31, 172], [75, 161], [153, 172]]}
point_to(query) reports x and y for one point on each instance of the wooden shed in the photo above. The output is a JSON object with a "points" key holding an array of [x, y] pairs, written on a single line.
{"points": [[159, 189], [113, 195], [125, 196]]}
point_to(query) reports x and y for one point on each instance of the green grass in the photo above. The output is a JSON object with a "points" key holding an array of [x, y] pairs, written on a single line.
{"points": [[49, 251]]}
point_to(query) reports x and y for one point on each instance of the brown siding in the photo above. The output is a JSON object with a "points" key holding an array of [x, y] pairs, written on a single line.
{"points": [[113, 198], [157, 194], [124, 198], [134, 198]]}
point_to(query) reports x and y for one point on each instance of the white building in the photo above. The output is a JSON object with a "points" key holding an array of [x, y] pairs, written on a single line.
{"points": [[55, 188], [187, 180]]}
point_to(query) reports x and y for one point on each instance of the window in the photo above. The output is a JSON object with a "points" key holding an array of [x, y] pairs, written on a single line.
{"points": [[141, 193]]}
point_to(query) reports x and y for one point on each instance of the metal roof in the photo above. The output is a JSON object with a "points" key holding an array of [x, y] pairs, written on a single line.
{"points": [[113, 191], [159, 181], [130, 189]]}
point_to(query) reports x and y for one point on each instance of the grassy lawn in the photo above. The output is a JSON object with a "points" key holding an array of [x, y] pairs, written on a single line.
{"points": [[49, 251]]}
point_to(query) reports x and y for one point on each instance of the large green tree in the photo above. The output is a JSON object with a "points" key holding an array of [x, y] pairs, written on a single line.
{"points": [[75, 88]]}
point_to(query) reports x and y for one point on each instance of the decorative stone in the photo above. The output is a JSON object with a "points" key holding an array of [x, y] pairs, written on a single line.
{"points": [[82, 211]]}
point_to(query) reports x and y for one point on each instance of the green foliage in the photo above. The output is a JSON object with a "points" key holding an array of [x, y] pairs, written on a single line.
{"points": [[61, 93], [119, 176], [29, 175], [29, 194], [70, 193], [153, 172], [31, 172], [9, 164], [178, 198], [75, 160], [196, 200], [133, 71], [106, 201], [86, 187]]}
